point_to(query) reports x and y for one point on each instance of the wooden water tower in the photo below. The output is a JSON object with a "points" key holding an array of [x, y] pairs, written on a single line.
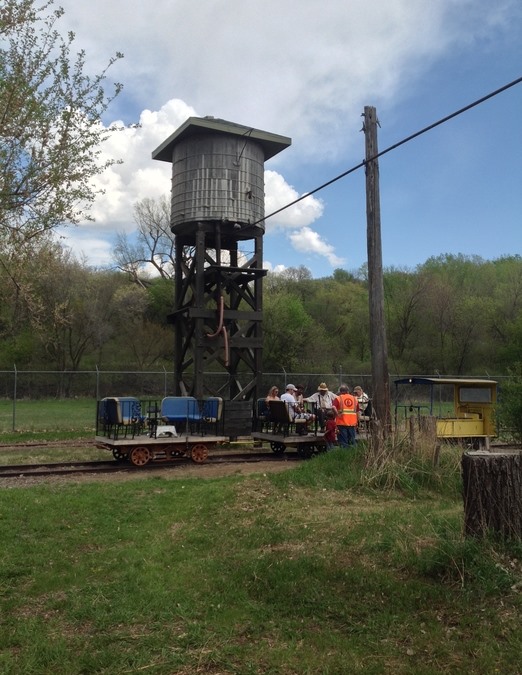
{"points": [[217, 205]]}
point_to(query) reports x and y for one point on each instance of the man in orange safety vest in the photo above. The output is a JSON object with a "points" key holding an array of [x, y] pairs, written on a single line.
{"points": [[347, 408]]}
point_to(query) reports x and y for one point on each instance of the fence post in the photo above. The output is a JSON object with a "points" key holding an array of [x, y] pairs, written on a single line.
{"points": [[14, 395]]}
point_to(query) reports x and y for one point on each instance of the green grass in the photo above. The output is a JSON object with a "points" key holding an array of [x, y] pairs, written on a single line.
{"points": [[53, 453], [306, 571], [58, 418]]}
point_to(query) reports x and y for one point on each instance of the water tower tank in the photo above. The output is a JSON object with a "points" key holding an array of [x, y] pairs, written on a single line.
{"points": [[218, 172], [218, 204]]}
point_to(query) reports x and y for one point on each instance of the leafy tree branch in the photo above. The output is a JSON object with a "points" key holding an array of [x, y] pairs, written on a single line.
{"points": [[51, 130]]}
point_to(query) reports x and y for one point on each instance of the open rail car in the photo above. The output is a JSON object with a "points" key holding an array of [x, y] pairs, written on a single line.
{"points": [[273, 425], [142, 431]]}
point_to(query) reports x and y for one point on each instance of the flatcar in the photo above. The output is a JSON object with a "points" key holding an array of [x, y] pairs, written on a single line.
{"points": [[273, 425], [142, 431]]}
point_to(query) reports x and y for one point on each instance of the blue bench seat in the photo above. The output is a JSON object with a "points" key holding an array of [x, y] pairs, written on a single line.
{"points": [[177, 409]]}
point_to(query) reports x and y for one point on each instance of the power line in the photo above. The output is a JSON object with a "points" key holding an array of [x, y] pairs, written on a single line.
{"points": [[393, 147]]}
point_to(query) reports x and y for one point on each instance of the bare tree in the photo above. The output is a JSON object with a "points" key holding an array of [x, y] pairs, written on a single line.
{"points": [[154, 245]]}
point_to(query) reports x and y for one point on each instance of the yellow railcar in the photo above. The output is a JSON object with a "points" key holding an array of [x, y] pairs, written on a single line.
{"points": [[464, 408]]}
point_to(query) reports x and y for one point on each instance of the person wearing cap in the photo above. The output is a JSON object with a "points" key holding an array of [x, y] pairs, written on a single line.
{"points": [[323, 400], [293, 407], [289, 398], [347, 408]]}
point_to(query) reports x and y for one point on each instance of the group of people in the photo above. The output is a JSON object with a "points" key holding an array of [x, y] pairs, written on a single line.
{"points": [[338, 414]]}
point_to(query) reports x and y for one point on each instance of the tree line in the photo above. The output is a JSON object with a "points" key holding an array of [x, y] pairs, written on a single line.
{"points": [[453, 315]]}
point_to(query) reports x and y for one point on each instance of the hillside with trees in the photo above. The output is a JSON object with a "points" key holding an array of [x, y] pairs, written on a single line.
{"points": [[454, 315]]}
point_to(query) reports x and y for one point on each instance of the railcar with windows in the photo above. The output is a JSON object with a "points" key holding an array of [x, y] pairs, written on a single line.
{"points": [[463, 408]]}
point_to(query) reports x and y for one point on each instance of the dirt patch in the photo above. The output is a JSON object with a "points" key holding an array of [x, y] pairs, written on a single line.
{"points": [[226, 469]]}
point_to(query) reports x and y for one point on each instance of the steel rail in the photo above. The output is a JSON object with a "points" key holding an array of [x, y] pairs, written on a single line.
{"points": [[44, 470]]}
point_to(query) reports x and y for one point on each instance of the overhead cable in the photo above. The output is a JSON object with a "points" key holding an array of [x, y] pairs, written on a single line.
{"points": [[393, 147]]}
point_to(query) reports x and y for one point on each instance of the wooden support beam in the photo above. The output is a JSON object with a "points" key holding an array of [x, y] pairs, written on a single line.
{"points": [[378, 344]]}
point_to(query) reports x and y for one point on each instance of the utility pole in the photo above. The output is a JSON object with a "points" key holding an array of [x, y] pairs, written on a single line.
{"points": [[379, 349]]}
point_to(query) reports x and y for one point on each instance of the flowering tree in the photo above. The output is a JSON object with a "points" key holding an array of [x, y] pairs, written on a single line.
{"points": [[50, 124]]}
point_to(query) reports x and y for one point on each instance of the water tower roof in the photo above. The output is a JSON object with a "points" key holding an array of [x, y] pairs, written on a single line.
{"points": [[271, 143]]}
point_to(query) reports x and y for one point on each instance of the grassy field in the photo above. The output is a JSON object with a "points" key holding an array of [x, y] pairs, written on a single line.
{"points": [[316, 570], [54, 417]]}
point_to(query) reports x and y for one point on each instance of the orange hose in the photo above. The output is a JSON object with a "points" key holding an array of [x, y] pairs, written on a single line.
{"points": [[221, 329]]}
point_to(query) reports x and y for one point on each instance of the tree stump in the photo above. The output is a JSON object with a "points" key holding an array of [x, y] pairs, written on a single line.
{"points": [[492, 491]]}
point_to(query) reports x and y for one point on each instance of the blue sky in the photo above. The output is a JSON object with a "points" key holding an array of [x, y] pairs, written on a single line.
{"points": [[306, 69]]}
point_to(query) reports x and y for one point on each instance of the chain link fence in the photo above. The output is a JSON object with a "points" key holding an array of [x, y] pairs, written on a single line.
{"points": [[23, 389], [52, 384]]}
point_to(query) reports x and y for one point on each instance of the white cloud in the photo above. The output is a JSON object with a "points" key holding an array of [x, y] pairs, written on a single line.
{"points": [[278, 194], [96, 250], [138, 176], [297, 68], [310, 242], [296, 219], [289, 67], [275, 269]]}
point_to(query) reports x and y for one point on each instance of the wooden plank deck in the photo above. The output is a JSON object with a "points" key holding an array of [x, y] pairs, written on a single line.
{"points": [[145, 439]]}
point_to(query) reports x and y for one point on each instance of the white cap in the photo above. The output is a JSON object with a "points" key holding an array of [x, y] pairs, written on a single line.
{"points": [[291, 386]]}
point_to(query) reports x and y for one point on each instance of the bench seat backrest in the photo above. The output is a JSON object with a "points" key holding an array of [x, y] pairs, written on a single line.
{"points": [[179, 408], [130, 409], [119, 410], [109, 411], [262, 409], [279, 412], [212, 409]]}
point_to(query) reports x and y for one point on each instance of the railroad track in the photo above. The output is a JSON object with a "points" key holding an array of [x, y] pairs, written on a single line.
{"points": [[60, 469], [82, 443], [44, 470]]}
